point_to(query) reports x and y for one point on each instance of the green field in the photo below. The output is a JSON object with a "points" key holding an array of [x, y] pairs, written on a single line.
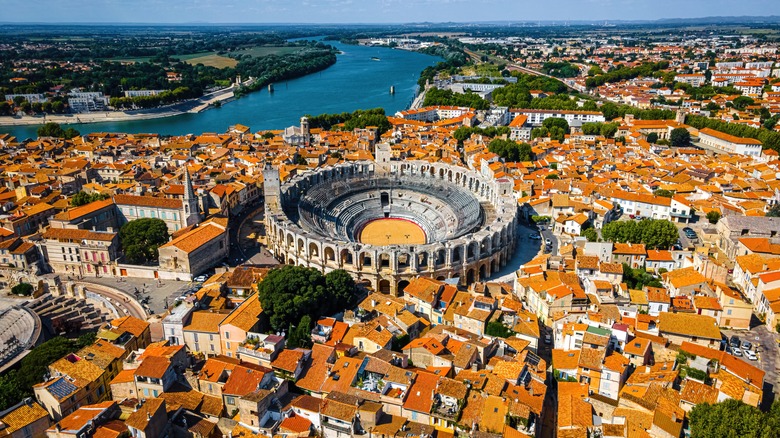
{"points": [[209, 60], [212, 59], [259, 51]]}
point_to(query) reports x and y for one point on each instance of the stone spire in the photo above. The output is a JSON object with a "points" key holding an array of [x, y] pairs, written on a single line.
{"points": [[188, 192]]}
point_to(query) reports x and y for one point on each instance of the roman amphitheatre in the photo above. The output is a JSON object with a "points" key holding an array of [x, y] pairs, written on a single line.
{"points": [[386, 222]]}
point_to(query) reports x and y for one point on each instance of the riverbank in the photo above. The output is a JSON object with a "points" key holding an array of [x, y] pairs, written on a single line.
{"points": [[352, 83], [192, 106]]}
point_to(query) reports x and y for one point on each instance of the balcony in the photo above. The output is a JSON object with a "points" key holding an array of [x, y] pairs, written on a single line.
{"points": [[256, 351]]}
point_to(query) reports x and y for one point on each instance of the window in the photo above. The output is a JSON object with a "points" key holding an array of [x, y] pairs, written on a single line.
{"points": [[227, 345], [227, 335], [230, 400], [728, 312]]}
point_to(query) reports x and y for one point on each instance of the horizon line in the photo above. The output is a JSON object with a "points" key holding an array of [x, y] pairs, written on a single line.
{"points": [[380, 23]]}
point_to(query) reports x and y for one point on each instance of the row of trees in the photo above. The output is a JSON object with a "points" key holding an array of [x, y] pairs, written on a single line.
{"points": [[357, 119], [84, 198], [510, 150], [608, 130], [561, 69], [164, 98], [437, 96], [770, 139], [733, 418], [654, 233], [464, 132], [623, 73], [52, 129]]}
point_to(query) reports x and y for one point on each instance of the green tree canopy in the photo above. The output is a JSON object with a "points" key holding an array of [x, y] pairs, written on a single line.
{"points": [[84, 198], [652, 137], [680, 137], [291, 292], [591, 234], [774, 211], [23, 289], [713, 216], [733, 418], [654, 233], [510, 150], [141, 238], [52, 129]]}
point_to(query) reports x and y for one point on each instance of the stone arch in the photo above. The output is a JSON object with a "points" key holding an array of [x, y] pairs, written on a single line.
{"points": [[482, 272], [345, 257], [449, 176], [291, 262], [385, 260], [384, 286], [470, 276], [485, 246], [496, 240], [366, 259], [314, 250], [402, 285], [493, 266], [330, 254], [439, 257], [457, 254], [404, 260], [290, 240], [422, 260], [472, 250], [301, 246], [441, 278]]}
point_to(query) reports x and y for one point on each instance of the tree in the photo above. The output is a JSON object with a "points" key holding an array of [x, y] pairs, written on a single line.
{"points": [[300, 335], [84, 198], [742, 101], [559, 122], [591, 234], [774, 211], [663, 192], [609, 130], [680, 137], [713, 216], [639, 278], [497, 329], [22, 289], [289, 293], [729, 418], [510, 150], [141, 238], [654, 233], [652, 137], [52, 129]]}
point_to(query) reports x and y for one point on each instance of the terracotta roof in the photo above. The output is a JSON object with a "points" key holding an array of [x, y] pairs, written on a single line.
{"points": [[148, 201], [196, 238]]}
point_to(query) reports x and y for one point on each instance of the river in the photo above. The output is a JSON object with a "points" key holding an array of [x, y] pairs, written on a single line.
{"points": [[355, 81]]}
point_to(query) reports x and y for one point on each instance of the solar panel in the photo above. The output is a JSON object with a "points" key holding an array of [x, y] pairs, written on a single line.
{"points": [[62, 388]]}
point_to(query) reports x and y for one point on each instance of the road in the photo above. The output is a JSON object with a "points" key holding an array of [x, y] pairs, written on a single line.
{"points": [[527, 249]]}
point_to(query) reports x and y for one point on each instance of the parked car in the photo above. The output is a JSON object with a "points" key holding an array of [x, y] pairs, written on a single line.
{"points": [[750, 355], [687, 230], [200, 278], [548, 242], [547, 339], [747, 345], [735, 342], [535, 236], [736, 352]]}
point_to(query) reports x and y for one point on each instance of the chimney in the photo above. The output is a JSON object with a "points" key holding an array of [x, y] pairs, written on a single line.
{"points": [[148, 416]]}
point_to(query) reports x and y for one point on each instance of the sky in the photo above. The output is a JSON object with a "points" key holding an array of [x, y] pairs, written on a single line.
{"points": [[368, 11]]}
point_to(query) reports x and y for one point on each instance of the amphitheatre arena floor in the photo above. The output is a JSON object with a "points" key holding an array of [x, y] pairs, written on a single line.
{"points": [[392, 231]]}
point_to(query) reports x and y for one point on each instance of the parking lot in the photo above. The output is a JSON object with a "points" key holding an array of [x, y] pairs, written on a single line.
{"points": [[766, 348]]}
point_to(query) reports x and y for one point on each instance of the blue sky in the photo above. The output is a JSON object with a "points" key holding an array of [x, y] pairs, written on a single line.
{"points": [[368, 11]]}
